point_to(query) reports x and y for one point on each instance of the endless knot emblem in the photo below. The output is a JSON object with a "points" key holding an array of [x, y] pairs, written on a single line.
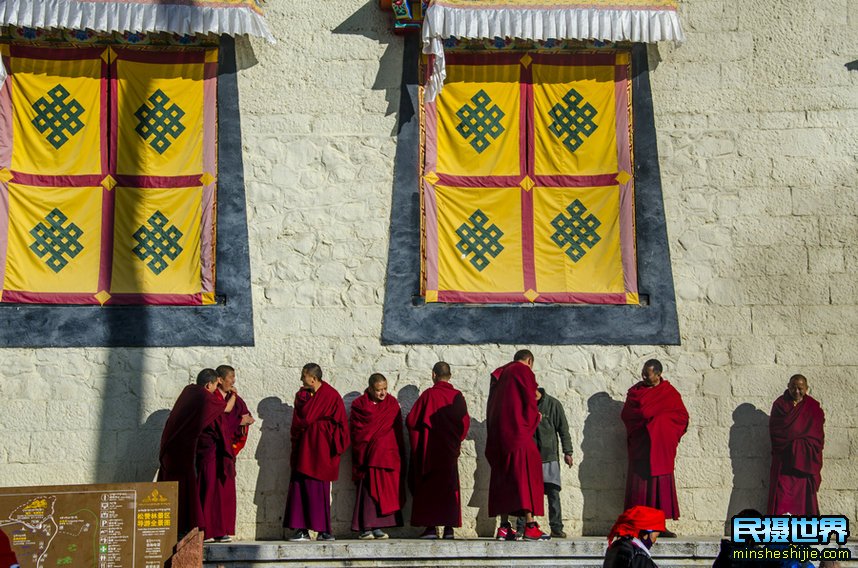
{"points": [[56, 241], [573, 121], [159, 121], [157, 242], [480, 121], [56, 115], [576, 231], [480, 240]]}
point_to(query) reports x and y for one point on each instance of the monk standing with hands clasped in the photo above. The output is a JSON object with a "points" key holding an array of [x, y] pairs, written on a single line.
{"points": [[378, 452], [319, 435], [655, 419], [437, 425], [796, 429]]}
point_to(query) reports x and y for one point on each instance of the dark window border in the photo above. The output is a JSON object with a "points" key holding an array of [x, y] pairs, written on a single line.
{"points": [[407, 320], [229, 322]]}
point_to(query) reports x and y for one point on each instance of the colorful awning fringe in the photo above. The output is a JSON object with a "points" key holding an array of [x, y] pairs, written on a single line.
{"points": [[184, 17], [607, 20]]}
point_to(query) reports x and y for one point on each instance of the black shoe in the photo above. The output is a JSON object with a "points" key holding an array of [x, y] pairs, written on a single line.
{"points": [[557, 534], [325, 536], [667, 534], [300, 534]]}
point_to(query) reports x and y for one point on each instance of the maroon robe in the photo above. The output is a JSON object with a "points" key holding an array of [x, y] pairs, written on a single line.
{"points": [[319, 435], [195, 409], [216, 471], [377, 451], [655, 419], [797, 441], [516, 483], [7, 555], [437, 425]]}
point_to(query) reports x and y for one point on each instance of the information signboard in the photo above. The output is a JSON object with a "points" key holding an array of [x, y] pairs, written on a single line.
{"points": [[127, 525]]}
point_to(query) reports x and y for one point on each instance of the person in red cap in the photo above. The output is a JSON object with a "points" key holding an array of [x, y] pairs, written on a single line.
{"points": [[632, 536]]}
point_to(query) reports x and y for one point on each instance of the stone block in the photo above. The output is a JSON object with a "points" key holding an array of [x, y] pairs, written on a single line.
{"points": [[841, 320], [716, 383], [776, 320]]}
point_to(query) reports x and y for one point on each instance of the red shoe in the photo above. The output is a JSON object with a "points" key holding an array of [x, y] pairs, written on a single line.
{"points": [[533, 532], [505, 532]]}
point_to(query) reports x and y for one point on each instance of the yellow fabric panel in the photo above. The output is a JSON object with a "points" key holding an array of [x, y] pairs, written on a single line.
{"points": [[597, 153], [136, 208], [63, 147], [182, 84], [502, 207], [456, 153], [600, 269], [75, 254]]}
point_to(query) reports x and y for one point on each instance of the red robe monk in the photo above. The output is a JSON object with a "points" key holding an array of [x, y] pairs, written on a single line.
{"points": [[437, 425], [216, 453], [516, 483], [655, 419], [796, 428], [7, 555], [196, 408], [377, 460], [319, 435]]}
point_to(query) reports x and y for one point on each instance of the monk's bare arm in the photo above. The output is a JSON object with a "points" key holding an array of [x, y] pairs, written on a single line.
{"points": [[230, 402]]}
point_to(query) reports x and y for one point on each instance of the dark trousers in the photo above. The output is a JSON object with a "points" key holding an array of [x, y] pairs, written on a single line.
{"points": [[555, 515]]}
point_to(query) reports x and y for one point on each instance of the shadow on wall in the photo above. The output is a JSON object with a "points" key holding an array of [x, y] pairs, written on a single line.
{"points": [[750, 456], [272, 457], [372, 23], [602, 479], [485, 526]]}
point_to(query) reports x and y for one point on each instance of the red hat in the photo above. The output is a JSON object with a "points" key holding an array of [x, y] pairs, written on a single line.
{"points": [[637, 519]]}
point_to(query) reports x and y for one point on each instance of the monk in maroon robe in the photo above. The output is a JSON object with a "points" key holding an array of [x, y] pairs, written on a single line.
{"points": [[796, 428], [196, 408], [437, 425], [655, 419], [516, 483], [378, 452], [216, 461], [7, 555], [319, 435]]}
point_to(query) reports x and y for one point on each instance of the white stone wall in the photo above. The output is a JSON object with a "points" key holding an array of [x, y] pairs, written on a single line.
{"points": [[757, 120]]}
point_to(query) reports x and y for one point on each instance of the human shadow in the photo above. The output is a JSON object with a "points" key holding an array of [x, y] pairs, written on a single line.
{"points": [[480, 496], [601, 477], [750, 457], [372, 23], [406, 396], [142, 455], [274, 418]]}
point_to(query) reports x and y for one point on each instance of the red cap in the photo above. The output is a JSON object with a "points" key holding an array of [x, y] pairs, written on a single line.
{"points": [[637, 519]]}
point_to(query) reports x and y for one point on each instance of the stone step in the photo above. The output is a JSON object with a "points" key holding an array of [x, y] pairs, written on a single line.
{"points": [[577, 551]]}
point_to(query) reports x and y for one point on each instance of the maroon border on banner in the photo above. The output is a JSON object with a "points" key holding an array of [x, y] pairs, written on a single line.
{"points": [[455, 296], [587, 59], [160, 57], [158, 182], [55, 53], [157, 299], [576, 181], [512, 58], [21, 297], [90, 180]]}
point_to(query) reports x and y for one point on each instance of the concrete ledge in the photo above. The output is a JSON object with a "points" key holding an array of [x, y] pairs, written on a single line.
{"points": [[581, 551]]}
